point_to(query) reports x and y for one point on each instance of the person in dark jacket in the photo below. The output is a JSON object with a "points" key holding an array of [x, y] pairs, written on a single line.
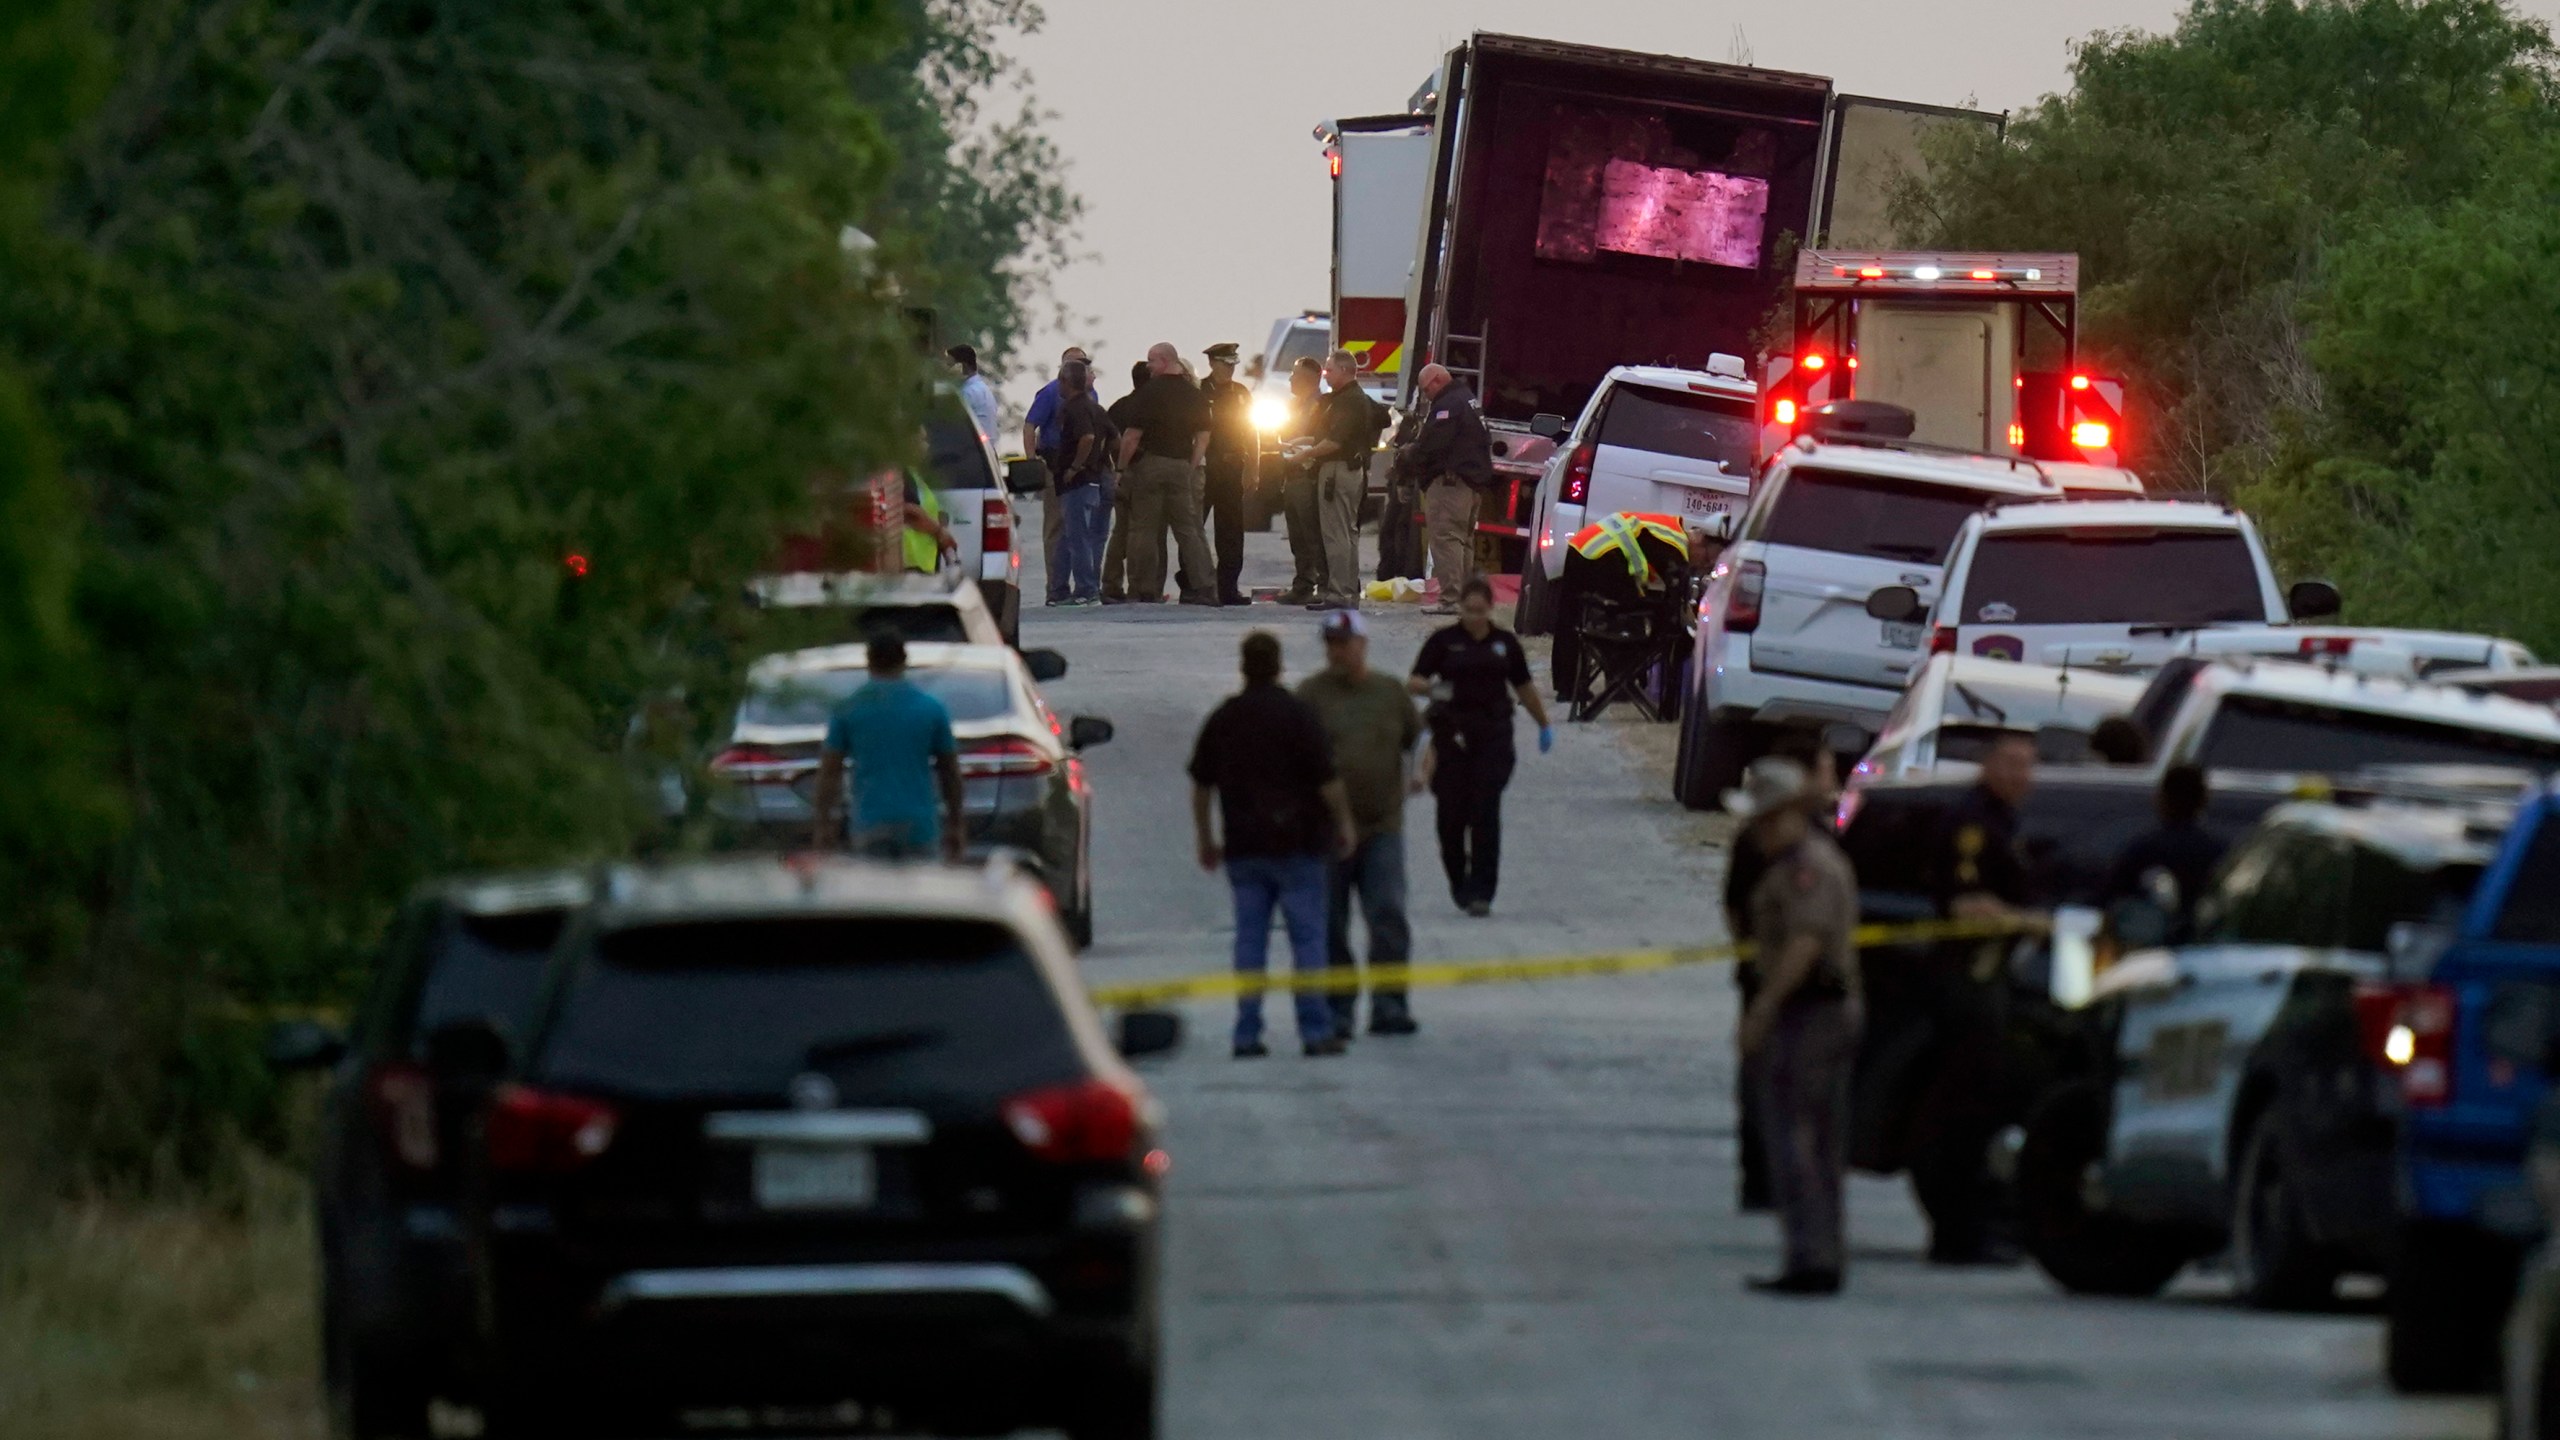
{"points": [[1078, 475], [1233, 447], [1115, 550], [1745, 864], [2177, 847], [1473, 671], [1452, 460]]}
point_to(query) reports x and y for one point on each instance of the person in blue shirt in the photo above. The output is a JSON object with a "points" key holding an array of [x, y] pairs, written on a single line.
{"points": [[975, 392], [906, 766], [1044, 434]]}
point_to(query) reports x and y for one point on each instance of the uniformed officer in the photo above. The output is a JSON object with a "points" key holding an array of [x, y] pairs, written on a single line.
{"points": [[1452, 460], [1233, 449], [1745, 866], [1799, 1035], [1298, 502], [1976, 874]]}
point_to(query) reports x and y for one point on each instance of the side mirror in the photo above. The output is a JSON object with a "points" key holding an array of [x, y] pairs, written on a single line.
{"points": [[1896, 605], [2313, 600], [1719, 528], [1044, 665], [1149, 1032], [1086, 731], [467, 1058], [1027, 476], [1549, 427], [303, 1045]]}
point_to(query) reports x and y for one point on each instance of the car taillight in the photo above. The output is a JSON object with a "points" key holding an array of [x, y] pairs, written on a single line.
{"points": [[995, 526], [1009, 756], [2331, 645], [1577, 472], [2408, 1032], [543, 1133], [1742, 609], [402, 1099], [1087, 1120], [740, 757], [1942, 640]]}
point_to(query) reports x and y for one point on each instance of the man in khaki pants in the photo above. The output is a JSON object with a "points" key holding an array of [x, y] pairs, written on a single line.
{"points": [[1162, 449], [1347, 428], [1452, 459]]}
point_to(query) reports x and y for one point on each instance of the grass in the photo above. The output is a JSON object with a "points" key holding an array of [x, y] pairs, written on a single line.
{"points": [[161, 1319]]}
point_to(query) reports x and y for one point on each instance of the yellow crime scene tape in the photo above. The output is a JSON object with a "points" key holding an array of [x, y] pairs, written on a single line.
{"points": [[1228, 984]]}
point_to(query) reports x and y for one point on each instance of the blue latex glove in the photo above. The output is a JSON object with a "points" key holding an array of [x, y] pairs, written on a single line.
{"points": [[1546, 738]]}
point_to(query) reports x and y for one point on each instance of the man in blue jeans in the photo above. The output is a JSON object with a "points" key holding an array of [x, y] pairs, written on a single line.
{"points": [[1264, 756], [1370, 721], [898, 740]]}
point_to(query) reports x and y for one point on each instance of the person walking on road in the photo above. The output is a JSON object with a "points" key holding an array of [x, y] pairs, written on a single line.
{"points": [[1115, 550], [976, 394], [1745, 864], [1084, 466], [1452, 460], [1044, 430], [897, 740], [1370, 721], [1298, 508], [1344, 440], [1233, 448], [1162, 450], [1800, 1032], [1263, 756], [1471, 671]]}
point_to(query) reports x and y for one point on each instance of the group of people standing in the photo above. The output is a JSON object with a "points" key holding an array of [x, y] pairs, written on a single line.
{"points": [[1299, 798]]}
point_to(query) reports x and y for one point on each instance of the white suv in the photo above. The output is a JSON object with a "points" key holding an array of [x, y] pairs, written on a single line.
{"points": [[2108, 584], [1654, 441], [1784, 636]]}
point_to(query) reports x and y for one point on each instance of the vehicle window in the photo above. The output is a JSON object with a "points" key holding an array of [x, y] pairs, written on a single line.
{"points": [[2166, 692], [2253, 898], [2388, 891], [939, 623], [2540, 690], [1868, 515], [2251, 732], [1300, 342], [887, 1008], [1671, 422], [2531, 914], [485, 967], [2167, 577], [954, 457], [1970, 742], [807, 699]]}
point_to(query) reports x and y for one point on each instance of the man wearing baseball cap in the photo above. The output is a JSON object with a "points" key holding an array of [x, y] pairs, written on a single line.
{"points": [[1370, 719], [1800, 1032]]}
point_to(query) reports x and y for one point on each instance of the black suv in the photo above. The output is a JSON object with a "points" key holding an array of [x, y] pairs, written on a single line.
{"points": [[395, 1285], [820, 1144]]}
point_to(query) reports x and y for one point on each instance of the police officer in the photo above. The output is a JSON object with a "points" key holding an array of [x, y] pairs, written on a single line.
{"points": [[1298, 502], [1233, 449], [1746, 865], [1799, 1035], [1452, 460], [1976, 874]]}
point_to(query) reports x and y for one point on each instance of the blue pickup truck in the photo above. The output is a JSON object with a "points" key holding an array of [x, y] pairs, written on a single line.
{"points": [[2473, 1048]]}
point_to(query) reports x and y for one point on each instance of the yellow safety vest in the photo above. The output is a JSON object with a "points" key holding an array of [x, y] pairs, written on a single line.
{"points": [[921, 550]]}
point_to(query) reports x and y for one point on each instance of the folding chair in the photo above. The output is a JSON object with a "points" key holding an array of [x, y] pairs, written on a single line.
{"points": [[1628, 622]]}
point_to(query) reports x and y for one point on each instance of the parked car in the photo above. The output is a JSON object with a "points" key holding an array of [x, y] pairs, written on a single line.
{"points": [[2366, 649], [840, 1144], [941, 608], [1023, 786], [2079, 480], [1784, 636], [1956, 705], [395, 1283], [2241, 1104], [2470, 1039], [2285, 720], [2101, 584], [2529, 1395]]}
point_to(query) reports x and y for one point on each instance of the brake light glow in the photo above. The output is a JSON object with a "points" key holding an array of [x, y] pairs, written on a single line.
{"points": [[1086, 1120], [1333, 163], [2092, 434], [575, 564], [741, 757], [1008, 755], [1942, 640], [2017, 435], [1785, 411], [402, 1099], [2079, 382], [1577, 472], [2407, 1030], [1742, 609], [1814, 362], [996, 525], [2327, 645], [541, 1132]]}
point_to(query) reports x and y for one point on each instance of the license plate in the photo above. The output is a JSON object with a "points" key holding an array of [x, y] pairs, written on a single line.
{"points": [[1695, 502], [1901, 634], [816, 1177]]}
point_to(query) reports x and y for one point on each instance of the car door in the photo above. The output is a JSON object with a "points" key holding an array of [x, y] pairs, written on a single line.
{"points": [[1832, 538], [1682, 453]]}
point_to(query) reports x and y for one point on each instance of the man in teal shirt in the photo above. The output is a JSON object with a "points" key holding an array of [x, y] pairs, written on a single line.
{"points": [[898, 740]]}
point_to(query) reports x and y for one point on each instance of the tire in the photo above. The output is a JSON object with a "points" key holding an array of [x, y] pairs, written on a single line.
{"points": [[1118, 1403], [372, 1393], [2274, 1264], [1535, 614], [1562, 617], [2085, 1251], [1712, 754], [2440, 1321]]}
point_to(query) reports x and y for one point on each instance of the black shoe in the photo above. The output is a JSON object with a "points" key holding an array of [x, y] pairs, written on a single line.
{"points": [[1394, 1022], [1237, 600], [1798, 1282], [1479, 908], [1329, 1045], [1251, 1049]]}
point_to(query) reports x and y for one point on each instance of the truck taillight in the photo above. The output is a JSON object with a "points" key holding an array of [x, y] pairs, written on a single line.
{"points": [[1742, 609], [1942, 640], [542, 1132], [1084, 1120], [402, 1100], [995, 525], [1577, 472], [2407, 1032], [2092, 434], [1785, 411]]}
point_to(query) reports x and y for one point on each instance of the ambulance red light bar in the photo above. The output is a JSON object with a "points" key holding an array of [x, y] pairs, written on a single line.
{"points": [[1930, 274], [1856, 272]]}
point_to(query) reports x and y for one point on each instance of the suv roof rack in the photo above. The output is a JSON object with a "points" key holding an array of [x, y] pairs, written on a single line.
{"points": [[1927, 447]]}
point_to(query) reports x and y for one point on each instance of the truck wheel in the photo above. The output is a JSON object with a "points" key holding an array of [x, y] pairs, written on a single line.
{"points": [[2086, 1251], [1535, 614], [2440, 1321], [1712, 754], [2274, 1264]]}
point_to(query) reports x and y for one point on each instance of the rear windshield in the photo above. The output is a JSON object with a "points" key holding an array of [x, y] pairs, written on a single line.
{"points": [[807, 699], [485, 967], [1869, 515], [940, 624], [887, 1008], [2531, 915], [1694, 427], [2254, 733], [1300, 342], [954, 457], [2170, 577]]}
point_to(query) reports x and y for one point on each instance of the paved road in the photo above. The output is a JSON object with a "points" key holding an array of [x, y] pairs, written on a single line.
{"points": [[1520, 1222]]}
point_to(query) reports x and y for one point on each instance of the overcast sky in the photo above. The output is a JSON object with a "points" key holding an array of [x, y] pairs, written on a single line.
{"points": [[1187, 122]]}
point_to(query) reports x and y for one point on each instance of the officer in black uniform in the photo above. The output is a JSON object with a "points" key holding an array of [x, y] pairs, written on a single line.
{"points": [[1233, 451], [1975, 874]]}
